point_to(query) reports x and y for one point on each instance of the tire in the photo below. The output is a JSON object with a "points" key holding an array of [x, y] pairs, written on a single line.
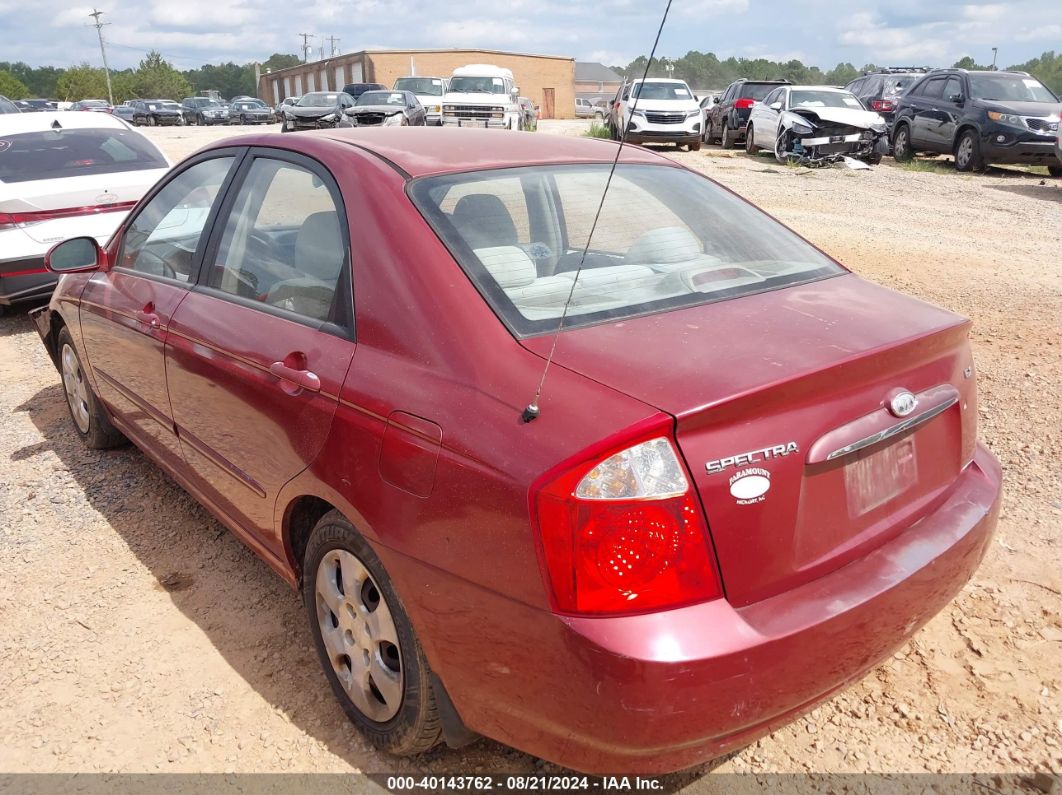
{"points": [[750, 147], [694, 147], [707, 137], [1055, 171], [874, 159], [901, 144], [151, 121], [599, 116], [243, 120], [90, 421], [405, 721], [200, 121], [968, 152], [724, 136]]}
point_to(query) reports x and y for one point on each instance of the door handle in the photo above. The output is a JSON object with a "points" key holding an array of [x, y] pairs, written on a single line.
{"points": [[303, 379], [147, 315]]}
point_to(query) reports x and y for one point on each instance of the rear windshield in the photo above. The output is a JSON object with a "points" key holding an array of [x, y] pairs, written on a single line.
{"points": [[898, 84], [52, 154], [757, 91], [666, 238]]}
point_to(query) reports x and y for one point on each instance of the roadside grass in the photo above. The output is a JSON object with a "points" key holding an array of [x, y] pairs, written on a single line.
{"points": [[927, 166], [597, 130]]}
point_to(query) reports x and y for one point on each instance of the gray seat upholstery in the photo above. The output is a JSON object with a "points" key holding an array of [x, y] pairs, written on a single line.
{"points": [[483, 221], [319, 246]]}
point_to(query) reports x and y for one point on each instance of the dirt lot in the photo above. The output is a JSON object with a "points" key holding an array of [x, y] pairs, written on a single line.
{"points": [[140, 636]]}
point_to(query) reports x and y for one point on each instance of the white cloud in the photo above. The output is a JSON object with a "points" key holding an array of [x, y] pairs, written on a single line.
{"points": [[200, 14]]}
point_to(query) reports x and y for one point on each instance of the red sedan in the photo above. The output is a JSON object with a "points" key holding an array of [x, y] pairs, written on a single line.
{"points": [[753, 474]]}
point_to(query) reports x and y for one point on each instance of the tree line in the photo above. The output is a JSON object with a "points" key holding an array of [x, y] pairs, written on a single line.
{"points": [[707, 71], [154, 78]]}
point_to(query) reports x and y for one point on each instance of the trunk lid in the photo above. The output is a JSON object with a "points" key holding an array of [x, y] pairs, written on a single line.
{"points": [[766, 387]]}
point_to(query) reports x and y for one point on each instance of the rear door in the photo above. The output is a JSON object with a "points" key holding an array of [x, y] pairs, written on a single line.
{"points": [[927, 114], [126, 311], [259, 349]]}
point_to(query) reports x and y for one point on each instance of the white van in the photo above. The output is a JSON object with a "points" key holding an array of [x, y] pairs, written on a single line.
{"points": [[481, 95], [429, 92]]}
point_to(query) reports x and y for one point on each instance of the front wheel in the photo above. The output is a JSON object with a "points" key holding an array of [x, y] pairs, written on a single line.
{"points": [[968, 152], [750, 147], [151, 121], [366, 642], [90, 421], [901, 145], [874, 158], [1055, 171], [694, 147]]}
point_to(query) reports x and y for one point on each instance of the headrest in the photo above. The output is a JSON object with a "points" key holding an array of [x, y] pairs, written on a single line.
{"points": [[665, 244], [509, 265]]}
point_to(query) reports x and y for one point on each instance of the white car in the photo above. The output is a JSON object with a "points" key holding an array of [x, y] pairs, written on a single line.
{"points": [[815, 124], [658, 111], [64, 175], [429, 92]]}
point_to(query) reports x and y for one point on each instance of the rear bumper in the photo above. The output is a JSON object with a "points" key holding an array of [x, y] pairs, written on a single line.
{"points": [[25, 280], [661, 692]]}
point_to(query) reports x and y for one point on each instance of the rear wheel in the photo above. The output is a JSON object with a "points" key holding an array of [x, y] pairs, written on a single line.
{"points": [[968, 152], [1055, 171], [901, 144], [724, 136], [366, 643], [90, 421]]}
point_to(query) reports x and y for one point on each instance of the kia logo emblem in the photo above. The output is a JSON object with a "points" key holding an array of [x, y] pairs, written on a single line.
{"points": [[902, 403]]}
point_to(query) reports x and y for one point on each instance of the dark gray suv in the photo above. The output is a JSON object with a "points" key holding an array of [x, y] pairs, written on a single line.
{"points": [[980, 118]]}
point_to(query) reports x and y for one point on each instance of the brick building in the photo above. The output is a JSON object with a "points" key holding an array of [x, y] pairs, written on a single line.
{"points": [[548, 80]]}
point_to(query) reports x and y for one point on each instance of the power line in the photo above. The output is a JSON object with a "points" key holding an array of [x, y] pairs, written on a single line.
{"points": [[306, 45], [333, 41], [103, 51]]}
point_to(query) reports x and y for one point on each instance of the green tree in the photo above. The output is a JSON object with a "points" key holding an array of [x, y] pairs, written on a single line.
{"points": [[81, 82], [966, 62], [280, 60], [841, 75], [157, 79], [11, 87], [1047, 68], [228, 79]]}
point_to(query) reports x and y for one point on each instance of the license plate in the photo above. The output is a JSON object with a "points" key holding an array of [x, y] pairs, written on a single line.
{"points": [[875, 479], [291, 125], [836, 139]]}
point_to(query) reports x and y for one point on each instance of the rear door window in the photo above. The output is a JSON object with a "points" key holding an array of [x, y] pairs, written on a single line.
{"points": [[284, 243], [55, 154]]}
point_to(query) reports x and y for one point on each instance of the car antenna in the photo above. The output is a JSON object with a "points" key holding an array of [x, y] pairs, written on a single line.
{"points": [[532, 410]]}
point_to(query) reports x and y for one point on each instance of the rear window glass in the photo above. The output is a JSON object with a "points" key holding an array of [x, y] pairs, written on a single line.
{"points": [[666, 238], [757, 91], [53, 154]]}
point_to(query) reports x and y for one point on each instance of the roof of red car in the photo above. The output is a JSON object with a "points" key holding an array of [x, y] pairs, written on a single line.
{"points": [[431, 150]]}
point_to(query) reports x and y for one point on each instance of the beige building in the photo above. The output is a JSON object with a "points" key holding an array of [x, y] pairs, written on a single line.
{"points": [[548, 80]]}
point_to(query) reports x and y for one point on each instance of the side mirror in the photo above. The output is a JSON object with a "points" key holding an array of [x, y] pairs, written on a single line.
{"points": [[74, 256], [775, 106]]}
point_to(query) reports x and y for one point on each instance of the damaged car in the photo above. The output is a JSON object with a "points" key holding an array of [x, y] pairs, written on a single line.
{"points": [[816, 126], [387, 109], [317, 110]]}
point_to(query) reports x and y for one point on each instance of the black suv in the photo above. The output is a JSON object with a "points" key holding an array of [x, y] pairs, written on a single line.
{"points": [[881, 89], [980, 118], [727, 119], [357, 89]]}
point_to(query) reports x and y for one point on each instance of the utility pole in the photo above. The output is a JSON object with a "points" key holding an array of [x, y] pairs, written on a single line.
{"points": [[332, 42], [103, 51], [306, 45], [994, 49]]}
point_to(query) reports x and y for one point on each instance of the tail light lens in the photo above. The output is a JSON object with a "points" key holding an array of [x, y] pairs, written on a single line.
{"points": [[622, 531], [743, 103], [882, 104]]}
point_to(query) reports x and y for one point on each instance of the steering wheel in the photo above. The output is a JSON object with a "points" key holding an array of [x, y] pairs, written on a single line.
{"points": [[150, 262]]}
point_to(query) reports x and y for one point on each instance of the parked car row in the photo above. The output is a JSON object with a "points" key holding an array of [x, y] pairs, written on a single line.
{"points": [[977, 117]]}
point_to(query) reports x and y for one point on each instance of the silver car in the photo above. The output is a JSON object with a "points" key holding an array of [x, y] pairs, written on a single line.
{"points": [[386, 109]]}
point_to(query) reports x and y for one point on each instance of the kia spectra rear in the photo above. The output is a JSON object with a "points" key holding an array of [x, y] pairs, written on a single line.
{"points": [[752, 476]]}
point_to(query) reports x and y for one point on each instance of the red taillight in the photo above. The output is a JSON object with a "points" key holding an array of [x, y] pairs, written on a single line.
{"points": [[39, 216], [745, 102], [622, 556], [882, 104]]}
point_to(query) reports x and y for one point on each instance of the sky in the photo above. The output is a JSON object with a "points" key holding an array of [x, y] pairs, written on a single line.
{"points": [[190, 33]]}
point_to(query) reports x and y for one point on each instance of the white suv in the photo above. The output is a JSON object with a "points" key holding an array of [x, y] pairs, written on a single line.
{"points": [[658, 111]]}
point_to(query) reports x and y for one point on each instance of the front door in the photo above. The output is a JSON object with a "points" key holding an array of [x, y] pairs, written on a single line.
{"points": [[549, 103], [258, 351], [126, 310]]}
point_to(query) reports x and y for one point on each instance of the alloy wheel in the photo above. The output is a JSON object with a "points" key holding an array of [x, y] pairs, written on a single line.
{"points": [[964, 153], [76, 388], [359, 635]]}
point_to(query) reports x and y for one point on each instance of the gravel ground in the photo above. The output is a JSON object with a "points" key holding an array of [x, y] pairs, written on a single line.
{"points": [[140, 636]]}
